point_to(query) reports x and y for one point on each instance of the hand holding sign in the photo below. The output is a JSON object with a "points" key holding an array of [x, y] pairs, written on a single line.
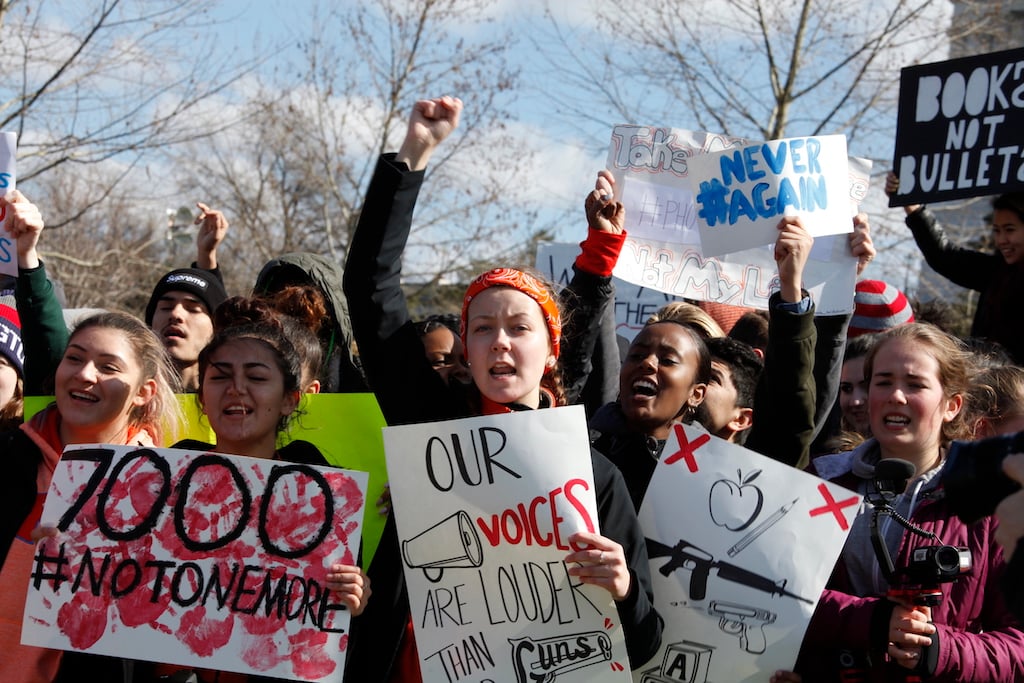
{"points": [[792, 249], [24, 223], [861, 245], [351, 586], [603, 212], [602, 564], [44, 530], [892, 188]]}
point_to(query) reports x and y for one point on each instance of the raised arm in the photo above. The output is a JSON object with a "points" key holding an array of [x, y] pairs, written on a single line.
{"points": [[965, 267], [784, 402], [213, 228], [831, 343], [590, 354], [389, 348], [43, 332]]}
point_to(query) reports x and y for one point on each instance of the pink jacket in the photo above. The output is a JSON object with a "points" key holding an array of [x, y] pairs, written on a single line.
{"points": [[979, 639]]}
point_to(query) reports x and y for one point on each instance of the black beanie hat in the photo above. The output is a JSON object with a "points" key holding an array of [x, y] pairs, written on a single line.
{"points": [[10, 335], [202, 284]]}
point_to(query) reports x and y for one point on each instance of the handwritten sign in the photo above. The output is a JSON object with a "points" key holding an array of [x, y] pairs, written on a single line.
{"points": [[740, 547], [197, 559], [741, 194], [663, 249], [633, 304], [958, 128], [345, 427], [484, 507], [8, 174]]}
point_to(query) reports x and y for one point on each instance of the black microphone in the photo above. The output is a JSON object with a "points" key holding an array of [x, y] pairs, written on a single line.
{"points": [[892, 475]]}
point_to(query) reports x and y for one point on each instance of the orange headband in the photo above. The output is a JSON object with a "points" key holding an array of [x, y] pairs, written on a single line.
{"points": [[525, 283]]}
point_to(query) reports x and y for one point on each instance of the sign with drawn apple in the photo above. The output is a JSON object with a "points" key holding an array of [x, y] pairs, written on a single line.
{"points": [[740, 549], [735, 504]]}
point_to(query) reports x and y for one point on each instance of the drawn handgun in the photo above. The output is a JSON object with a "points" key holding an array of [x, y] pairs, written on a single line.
{"points": [[746, 622], [685, 555]]}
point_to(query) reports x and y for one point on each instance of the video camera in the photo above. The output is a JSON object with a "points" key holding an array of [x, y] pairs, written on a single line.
{"points": [[929, 565]]}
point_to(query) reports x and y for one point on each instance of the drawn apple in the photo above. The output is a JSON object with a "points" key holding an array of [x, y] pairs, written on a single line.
{"points": [[735, 504]]}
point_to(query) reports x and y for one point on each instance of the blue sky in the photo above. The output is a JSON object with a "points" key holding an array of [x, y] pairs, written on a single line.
{"points": [[568, 154]]}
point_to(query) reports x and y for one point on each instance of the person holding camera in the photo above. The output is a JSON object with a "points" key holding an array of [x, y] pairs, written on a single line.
{"points": [[925, 620], [1010, 511]]}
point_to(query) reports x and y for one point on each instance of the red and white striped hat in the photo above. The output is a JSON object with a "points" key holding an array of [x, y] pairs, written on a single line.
{"points": [[878, 306]]}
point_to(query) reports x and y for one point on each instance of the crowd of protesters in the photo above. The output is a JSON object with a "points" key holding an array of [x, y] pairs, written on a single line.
{"points": [[834, 396]]}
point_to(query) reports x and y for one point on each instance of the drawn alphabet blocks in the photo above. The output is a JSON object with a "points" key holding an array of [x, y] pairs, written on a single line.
{"points": [[684, 662]]}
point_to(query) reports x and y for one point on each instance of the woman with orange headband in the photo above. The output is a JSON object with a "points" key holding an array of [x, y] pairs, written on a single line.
{"points": [[513, 336]]}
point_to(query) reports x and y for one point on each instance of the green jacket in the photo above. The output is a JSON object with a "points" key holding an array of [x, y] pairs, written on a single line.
{"points": [[341, 372], [43, 332]]}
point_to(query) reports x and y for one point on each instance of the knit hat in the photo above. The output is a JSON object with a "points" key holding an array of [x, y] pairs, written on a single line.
{"points": [[10, 334], [878, 306], [528, 285], [202, 284]]}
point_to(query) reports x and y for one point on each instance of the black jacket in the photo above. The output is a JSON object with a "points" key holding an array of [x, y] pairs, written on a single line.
{"points": [[999, 316], [409, 391], [18, 485]]}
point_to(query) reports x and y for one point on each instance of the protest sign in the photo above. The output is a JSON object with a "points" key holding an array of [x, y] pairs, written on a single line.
{"points": [[740, 547], [633, 304], [195, 558], [484, 507], [663, 248], [8, 174], [741, 194], [345, 427], [958, 128]]}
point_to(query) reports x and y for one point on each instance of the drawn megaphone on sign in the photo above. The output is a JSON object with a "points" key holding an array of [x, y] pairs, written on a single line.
{"points": [[452, 542]]}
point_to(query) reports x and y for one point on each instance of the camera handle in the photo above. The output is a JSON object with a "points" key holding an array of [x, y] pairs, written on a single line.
{"points": [[880, 506], [891, 476], [890, 480]]}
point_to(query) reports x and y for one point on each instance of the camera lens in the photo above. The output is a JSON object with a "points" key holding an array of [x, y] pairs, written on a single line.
{"points": [[947, 559]]}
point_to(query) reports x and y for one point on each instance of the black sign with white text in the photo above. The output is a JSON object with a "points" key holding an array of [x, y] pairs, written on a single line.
{"points": [[958, 131]]}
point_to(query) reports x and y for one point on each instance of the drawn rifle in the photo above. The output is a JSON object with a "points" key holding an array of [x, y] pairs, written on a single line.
{"points": [[685, 555]]}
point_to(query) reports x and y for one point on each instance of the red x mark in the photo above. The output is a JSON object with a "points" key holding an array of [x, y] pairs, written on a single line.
{"points": [[832, 506], [686, 448]]}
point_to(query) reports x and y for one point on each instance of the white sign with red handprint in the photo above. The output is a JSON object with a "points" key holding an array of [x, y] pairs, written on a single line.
{"points": [[200, 559]]}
